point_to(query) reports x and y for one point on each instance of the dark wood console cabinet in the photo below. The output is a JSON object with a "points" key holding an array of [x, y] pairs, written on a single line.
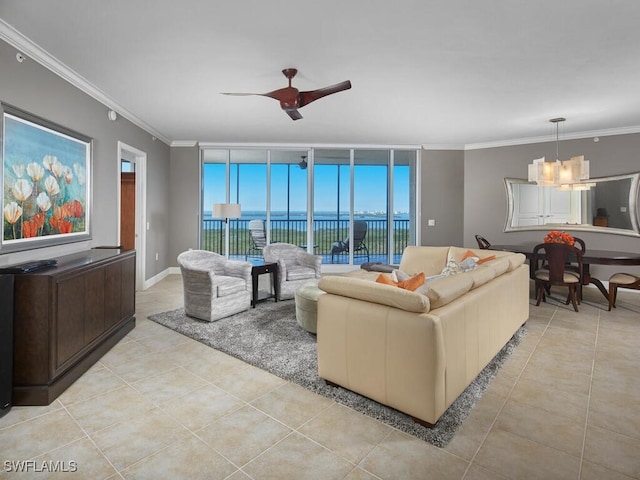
{"points": [[68, 316]]}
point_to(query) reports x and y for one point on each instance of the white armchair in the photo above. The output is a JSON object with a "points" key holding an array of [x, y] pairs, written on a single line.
{"points": [[214, 286], [295, 267]]}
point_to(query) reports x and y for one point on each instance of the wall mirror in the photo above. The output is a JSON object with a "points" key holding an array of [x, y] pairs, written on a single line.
{"points": [[609, 207]]}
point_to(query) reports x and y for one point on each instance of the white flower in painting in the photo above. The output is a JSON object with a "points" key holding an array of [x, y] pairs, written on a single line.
{"points": [[18, 169], [80, 173], [57, 168], [68, 175], [22, 189], [43, 201], [51, 186], [12, 212], [48, 161], [35, 171]]}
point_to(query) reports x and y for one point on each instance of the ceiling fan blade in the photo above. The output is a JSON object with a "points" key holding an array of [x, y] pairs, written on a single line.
{"points": [[240, 94], [293, 113], [310, 96]]}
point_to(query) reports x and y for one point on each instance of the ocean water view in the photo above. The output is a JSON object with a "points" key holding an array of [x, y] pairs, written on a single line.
{"points": [[321, 215]]}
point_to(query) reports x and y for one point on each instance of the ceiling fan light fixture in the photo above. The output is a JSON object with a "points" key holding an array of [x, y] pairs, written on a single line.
{"points": [[291, 99]]}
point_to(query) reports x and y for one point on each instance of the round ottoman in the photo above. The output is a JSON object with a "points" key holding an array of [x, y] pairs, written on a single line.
{"points": [[307, 305]]}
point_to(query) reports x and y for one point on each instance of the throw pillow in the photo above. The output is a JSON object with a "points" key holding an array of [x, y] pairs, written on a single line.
{"points": [[486, 259], [402, 276], [451, 268], [469, 254], [410, 284], [413, 282], [382, 278], [468, 264], [480, 261]]}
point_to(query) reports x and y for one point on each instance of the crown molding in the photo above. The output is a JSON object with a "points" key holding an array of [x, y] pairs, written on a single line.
{"points": [[16, 39], [552, 138], [436, 146], [304, 146]]}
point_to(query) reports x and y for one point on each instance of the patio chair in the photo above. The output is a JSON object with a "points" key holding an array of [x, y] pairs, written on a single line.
{"points": [[359, 245], [556, 256], [257, 238]]}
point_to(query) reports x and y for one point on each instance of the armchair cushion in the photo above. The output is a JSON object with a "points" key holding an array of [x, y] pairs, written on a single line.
{"points": [[296, 272], [225, 286]]}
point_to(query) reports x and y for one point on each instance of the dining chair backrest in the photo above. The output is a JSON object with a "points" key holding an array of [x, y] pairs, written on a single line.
{"points": [[483, 243], [556, 257], [579, 243]]}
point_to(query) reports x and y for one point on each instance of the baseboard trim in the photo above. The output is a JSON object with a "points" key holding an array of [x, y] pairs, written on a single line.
{"points": [[157, 278]]}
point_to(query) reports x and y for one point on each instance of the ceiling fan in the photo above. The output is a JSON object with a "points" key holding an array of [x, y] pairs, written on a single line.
{"points": [[291, 99]]}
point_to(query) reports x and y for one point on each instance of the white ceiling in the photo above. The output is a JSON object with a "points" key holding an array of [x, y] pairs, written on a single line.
{"points": [[444, 73]]}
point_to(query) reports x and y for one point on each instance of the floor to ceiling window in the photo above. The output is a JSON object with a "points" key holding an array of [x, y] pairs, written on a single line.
{"points": [[288, 196], [331, 203], [362, 206], [403, 214], [371, 193]]}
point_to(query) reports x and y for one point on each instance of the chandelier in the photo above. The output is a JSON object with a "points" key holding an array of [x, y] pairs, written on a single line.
{"points": [[564, 175]]}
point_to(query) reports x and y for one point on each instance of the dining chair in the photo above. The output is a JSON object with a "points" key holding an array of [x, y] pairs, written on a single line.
{"points": [[556, 256], [621, 280], [483, 243], [572, 266]]}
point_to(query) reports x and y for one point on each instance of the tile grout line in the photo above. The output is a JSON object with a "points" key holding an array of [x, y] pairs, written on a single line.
{"points": [[486, 435], [586, 420]]}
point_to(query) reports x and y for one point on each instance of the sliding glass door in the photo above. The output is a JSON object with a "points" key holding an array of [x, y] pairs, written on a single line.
{"points": [[371, 206], [331, 203], [349, 205], [288, 196]]}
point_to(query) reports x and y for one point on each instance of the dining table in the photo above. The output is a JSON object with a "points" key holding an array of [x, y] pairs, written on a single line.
{"points": [[589, 257]]}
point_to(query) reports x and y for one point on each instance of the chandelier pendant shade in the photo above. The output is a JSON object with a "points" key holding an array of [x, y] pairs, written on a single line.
{"points": [[564, 175]]}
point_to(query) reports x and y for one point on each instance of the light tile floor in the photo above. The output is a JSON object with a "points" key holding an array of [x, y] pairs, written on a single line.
{"points": [[159, 405]]}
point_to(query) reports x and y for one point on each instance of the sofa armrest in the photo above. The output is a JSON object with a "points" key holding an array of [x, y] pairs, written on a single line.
{"points": [[375, 292]]}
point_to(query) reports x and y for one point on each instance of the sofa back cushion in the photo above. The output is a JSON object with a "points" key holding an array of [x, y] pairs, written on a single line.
{"points": [[430, 260], [445, 290]]}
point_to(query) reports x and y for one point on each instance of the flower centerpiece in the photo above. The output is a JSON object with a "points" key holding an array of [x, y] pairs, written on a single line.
{"points": [[555, 236]]}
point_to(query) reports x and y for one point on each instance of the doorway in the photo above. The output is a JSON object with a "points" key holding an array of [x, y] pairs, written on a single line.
{"points": [[132, 209]]}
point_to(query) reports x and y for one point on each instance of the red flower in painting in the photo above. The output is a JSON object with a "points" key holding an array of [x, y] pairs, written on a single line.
{"points": [[65, 227], [38, 219], [555, 236], [29, 229], [76, 208]]}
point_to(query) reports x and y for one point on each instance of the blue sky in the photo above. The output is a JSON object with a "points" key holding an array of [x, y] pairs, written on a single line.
{"points": [[370, 187]]}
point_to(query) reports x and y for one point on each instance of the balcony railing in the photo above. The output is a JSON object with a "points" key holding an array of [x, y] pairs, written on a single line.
{"points": [[325, 234]]}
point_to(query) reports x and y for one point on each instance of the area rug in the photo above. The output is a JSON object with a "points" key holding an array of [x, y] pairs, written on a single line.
{"points": [[270, 338]]}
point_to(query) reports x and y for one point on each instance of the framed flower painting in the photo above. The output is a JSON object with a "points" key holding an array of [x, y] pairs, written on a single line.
{"points": [[46, 188]]}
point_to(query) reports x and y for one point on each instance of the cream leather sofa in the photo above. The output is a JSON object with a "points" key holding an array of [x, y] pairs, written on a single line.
{"points": [[414, 352]]}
